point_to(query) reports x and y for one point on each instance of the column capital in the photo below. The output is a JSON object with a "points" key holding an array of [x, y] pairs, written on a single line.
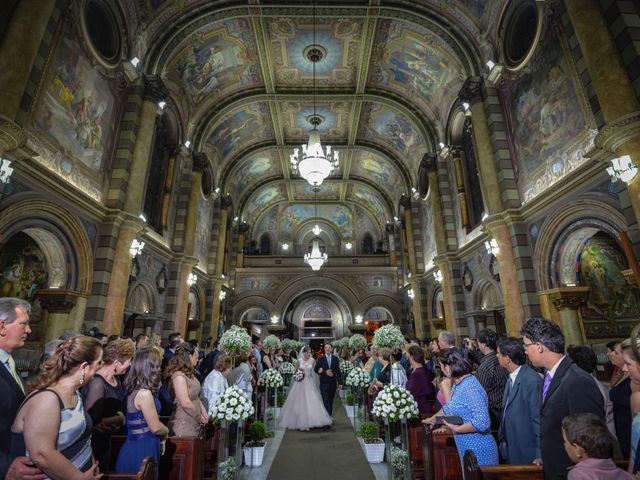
{"points": [[12, 135], [630, 277], [430, 161], [200, 161], [617, 133], [567, 297], [154, 89], [59, 301], [405, 201], [243, 228], [471, 91]]}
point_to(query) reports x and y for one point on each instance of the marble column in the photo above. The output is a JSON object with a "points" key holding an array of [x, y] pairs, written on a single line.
{"points": [[430, 161], [567, 301], [447, 294], [391, 232], [19, 49], [243, 228], [408, 229], [219, 281], [460, 186]]}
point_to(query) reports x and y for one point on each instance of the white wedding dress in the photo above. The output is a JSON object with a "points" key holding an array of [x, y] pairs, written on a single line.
{"points": [[304, 409]]}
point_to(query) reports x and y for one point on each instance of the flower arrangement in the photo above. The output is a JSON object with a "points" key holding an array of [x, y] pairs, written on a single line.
{"points": [[287, 368], [345, 367], [270, 378], [298, 376], [357, 341], [388, 336], [288, 344], [338, 345], [228, 469], [231, 406], [399, 460], [395, 403], [271, 342], [358, 378], [235, 341]]}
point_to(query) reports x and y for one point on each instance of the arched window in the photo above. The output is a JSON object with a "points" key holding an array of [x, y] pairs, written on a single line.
{"points": [[265, 244], [474, 191], [367, 244]]}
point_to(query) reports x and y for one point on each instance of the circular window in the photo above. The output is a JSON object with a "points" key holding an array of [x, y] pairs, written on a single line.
{"points": [[520, 30], [102, 29]]}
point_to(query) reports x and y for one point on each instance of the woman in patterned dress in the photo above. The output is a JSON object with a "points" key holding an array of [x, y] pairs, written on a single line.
{"points": [[469, 401]]}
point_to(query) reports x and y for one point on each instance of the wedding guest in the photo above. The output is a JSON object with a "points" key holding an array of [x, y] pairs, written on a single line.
{"points": [[632, 367], [145, 432], [384, 377], [590, 446], [209, 362], [216, 382], [240, 376], [189, 415], [104, 398], [142, 340], [420, 382], [267, 361], [175, 339], [491, 375], [52, 426], [398, 372], [620, 396], [446, 340], [468, 400], [257, 351], [614, 353], [376, 366]]}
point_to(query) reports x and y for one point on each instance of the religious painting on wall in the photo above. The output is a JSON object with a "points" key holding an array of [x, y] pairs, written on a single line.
{"points": [[203, 229], [76, 107], [429, 232]]}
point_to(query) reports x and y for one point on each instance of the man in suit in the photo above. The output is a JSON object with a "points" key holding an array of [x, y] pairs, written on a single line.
{"points": [[14, 328], [491, 375], [566, 390], [519, 432], [329, 370]]}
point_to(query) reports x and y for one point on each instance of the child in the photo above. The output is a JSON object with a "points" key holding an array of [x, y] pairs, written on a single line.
{"points": [[590, 446]]}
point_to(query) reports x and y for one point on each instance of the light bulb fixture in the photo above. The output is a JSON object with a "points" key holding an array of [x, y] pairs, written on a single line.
{"points": [[490, 64], [441, 145], [187, 143], [316, 230], [358, 318], [135, 61], [348, 246], [285, 246], [485, 215], [142, 217], [162, 104], [235, 219], [274, 318], [315, 259], [217, 190], [465, 106], [437, 275], [622, 168], [222, 295], [492, 246], [136, 247], [5, 170], [411, 294], [192, 279], [315, 164]]}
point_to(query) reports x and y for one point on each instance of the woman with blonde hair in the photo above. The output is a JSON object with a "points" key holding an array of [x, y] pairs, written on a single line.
{"points": [[189, 415], [52, 426]]}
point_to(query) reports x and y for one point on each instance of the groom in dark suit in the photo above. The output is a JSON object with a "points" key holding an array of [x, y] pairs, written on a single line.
{"points": [[328, 368]]}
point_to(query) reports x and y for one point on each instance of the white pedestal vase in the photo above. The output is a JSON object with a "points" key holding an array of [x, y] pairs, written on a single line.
{"points": [[374, 451], [253, 456]]}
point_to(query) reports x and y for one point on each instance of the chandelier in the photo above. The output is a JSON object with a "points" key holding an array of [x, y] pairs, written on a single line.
{"points": [[315, 164], [316, 259]]}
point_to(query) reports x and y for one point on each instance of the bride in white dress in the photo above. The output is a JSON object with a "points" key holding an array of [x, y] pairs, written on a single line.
{"points": [[304, 409]]}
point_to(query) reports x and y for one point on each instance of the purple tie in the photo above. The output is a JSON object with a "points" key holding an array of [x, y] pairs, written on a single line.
{"points": [[545, 387]]}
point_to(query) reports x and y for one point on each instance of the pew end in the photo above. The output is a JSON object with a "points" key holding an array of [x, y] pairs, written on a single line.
{"points": [[147, 471], [473, 471]]}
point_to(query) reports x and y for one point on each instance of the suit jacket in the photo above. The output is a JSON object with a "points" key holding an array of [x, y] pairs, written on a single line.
{"points": [[11, 398], [572, 390], [324, 365], [519, 433]]}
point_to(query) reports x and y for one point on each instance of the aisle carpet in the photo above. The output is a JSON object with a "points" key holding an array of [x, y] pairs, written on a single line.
{"points": [[321, 454]]}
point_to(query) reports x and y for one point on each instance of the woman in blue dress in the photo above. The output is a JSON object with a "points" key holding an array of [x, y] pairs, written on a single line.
{"points": [[469, 401], [145, 432]]}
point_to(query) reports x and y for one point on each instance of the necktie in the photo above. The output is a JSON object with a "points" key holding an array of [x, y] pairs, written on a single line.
{"points": [[545, 386], [12, 369], [329, 360]]}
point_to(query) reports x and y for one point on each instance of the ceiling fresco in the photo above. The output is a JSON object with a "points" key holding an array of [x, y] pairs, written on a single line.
{"points": [[374, 167], [329, 190], [340, 39], [292, 216], [262, 198], [365, 195], [253, 169], [335, 120], [215, 61]]}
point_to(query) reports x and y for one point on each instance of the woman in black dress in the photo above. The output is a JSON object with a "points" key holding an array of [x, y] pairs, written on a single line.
{"points": [[620, 396]]}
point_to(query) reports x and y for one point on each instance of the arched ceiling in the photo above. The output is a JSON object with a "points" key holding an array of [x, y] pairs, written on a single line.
{"points": [[385, 87]]}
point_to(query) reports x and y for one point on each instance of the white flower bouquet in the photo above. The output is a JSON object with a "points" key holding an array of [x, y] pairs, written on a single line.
{"points": [[233, 405], [357, 341], [288, 344], [287, 368], [395, 403], [357, 378], [388, 336], [270, 378], [345, 367], [338, 345], [271, 342], [235, 341]]}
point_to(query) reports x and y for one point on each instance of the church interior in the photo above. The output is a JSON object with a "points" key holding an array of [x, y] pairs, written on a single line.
{"points": [[475, 166]]}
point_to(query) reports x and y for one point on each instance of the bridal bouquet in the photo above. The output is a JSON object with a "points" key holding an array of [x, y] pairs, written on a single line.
{"points": [[357, 341], [288, 344], [358, 378], [388, 336], [345, 367], [270, 378], [395, 403], [235, 341], [298, 376], [287, 368], [271, 342], [231, 406]]}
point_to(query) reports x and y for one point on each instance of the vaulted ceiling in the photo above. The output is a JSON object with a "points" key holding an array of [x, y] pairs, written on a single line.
{"points": [[390, 76]]}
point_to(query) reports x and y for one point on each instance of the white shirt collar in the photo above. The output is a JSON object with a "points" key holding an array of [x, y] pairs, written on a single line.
{"points": [[514, 374], [552, 372]]}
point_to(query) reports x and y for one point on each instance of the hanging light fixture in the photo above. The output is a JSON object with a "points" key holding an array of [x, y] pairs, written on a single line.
{"points": [[315, 164], [315, 259]]}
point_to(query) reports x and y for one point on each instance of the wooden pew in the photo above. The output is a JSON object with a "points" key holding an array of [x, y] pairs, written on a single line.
{"points": [[147, 471], [441, 459], [416, 447], [473, 471], [211, 459]]}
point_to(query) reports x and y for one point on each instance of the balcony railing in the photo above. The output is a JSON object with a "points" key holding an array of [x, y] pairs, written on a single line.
{"points": [[334, 261]]}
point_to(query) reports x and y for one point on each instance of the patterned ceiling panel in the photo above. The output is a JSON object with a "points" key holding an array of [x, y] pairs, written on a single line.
{"points": [[363, 194], [262, 199], [417, 64], [239, 130], [334, 126], [329, 190], [379, 124], [340, 39], [215, 61], [374, 167], [293, 215], [252, 169]]}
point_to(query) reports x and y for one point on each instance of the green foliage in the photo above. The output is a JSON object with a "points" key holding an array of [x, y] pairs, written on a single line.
{"points": [[280, 399], [369, 431], [349, 400], [228, 469], [399, 460], [257, 431]]}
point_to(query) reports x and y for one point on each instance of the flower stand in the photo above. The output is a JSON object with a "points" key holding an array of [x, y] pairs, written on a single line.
{"points": [[391, 431]]}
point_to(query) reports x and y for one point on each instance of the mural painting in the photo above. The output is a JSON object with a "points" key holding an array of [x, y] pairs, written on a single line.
{"points": [[23, 270], [217, 62], [335, 120], [262, 198], [240, 129], [76, 107], [203, 230], [253, 169], [419, 63], [373, 167], [365, 223], [327, 191], [366, 197], [429, 242], [291, 217], [267, 223]]}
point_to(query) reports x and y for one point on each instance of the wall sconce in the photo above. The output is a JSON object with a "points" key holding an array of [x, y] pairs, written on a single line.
{"points": [[358, 318], [495, 71], [192, 279], [136, 247], [142, 217], [274, 318], [135, 61], [285, 246], [162, 104], [5, 170], [622, 168], [222, 295], [411, 294], [348, 246], [492, 247], [437, 275]]}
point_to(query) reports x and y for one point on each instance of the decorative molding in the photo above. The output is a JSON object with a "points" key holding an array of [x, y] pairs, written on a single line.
{"points": [[617, 133], [12, 136], [59, 301], [567, 297], [471, 91], [154, 89]]}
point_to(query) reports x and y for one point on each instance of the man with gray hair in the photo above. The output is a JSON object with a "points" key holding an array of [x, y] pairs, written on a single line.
{"points": [[446, 340], [14, 329]]}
